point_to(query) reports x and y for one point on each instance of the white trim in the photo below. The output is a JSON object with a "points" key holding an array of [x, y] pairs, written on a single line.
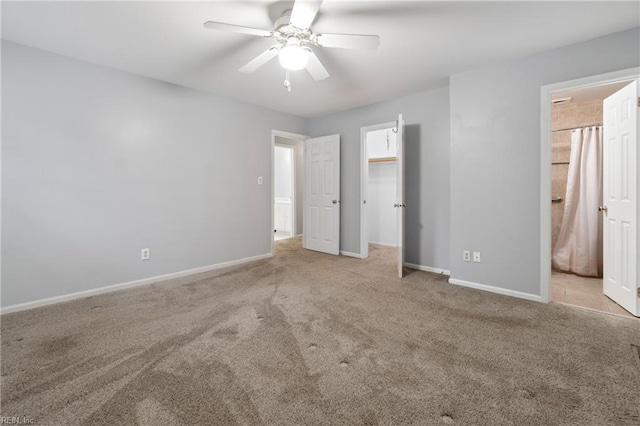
{"points": [[364, 183], [498, 290], [350, 254], [287, 135], [130, 284], [427, 268], [382, 244], [545, 161]]}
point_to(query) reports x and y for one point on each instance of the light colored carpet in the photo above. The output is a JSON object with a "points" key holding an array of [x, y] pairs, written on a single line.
{"points": [[308, 338]]}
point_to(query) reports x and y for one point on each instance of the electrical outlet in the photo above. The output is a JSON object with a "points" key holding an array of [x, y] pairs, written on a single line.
{"points": [[260, 180], [145, 254], [476, 256], [466, 255]]}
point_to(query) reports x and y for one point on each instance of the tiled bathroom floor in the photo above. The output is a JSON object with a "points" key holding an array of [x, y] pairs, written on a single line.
{"points": [[584, 292], [281, 235]]}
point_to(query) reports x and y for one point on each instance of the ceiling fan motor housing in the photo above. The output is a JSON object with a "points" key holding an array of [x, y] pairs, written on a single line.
{"points": [[283, 31]]}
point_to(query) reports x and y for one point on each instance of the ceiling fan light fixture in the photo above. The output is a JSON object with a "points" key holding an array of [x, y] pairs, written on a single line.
{"points": [[293, 56]]}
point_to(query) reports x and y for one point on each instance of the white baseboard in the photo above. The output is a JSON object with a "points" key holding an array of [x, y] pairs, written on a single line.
{"points": [[499, 290], [350, 254], [382, 244], [123, 286], [427, 268]]}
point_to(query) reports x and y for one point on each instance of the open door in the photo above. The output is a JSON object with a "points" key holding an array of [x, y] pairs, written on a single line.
{"points": [[620, 198], [321, 215], [400, 204]]}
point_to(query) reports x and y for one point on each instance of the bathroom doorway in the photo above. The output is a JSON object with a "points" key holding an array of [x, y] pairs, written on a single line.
{"points": [[287, 185], [578, 212], [284, 192]]}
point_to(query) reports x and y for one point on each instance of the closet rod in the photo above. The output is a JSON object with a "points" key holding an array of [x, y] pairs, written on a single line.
{"points": [[577, 127]]}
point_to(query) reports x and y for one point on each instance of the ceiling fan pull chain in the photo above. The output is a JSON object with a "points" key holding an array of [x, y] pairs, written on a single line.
{"points": [[287, 80]]}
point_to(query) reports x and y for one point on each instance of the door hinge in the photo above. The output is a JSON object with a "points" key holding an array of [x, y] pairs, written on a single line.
{"points": [[639, 102], [639, 293]]}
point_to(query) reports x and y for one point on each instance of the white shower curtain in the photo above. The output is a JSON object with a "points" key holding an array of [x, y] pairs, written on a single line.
{"points": [[579, 245]]}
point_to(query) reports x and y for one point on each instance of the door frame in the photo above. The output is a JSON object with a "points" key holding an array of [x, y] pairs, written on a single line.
{"points": [[294, 216], [288, 135], [545, 160], [364, 184]]}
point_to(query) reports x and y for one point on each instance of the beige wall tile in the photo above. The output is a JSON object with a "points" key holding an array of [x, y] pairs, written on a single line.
{"points": [[558, 189], [554, 116], [576, 114], [563, 150], [584, 112], [566, 116], [559, 174], [598, 111]]}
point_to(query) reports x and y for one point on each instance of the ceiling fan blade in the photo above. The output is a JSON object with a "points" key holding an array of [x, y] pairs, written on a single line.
{"points": [[212, 25], [315, 67], [304, 12], [261, 59], [349, 41]]}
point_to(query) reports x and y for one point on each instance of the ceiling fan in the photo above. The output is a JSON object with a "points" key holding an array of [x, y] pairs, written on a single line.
{"points": [[294, 39]]}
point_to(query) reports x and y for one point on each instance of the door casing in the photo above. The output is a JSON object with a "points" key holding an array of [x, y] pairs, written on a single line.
{"points": [[364, 184], [545, 162], [288, 135]]}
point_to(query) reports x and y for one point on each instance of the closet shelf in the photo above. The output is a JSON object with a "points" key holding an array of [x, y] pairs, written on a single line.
{"points": [[382, 159]]}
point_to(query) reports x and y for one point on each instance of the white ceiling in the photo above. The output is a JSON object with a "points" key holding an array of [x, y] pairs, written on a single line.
{"points": [[422, 43]]}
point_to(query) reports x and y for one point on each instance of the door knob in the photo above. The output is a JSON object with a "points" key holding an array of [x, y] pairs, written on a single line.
{"points": [[335, 201], [396, 205], [603, 209]]}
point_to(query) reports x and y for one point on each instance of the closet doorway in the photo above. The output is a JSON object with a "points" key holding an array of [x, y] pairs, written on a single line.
{"points": [[589, 167], [379, 186]]}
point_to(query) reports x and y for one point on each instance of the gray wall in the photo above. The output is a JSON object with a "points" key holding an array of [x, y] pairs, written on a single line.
{"points": [[426, 116], [98, 164], [495, 156], [299, 165]]}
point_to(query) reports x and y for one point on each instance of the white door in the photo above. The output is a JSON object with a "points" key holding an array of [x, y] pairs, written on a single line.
{"points": [[400, 204], [322, 194], [620, 198]]}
